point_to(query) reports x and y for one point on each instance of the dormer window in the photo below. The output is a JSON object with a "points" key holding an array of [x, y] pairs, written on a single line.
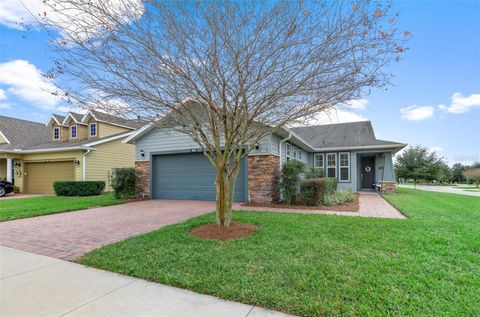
{"points": [[73, 132], [56, 133], [93, 129]]}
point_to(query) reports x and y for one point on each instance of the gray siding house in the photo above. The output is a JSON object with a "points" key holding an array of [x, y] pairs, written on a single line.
{"points": [[172, 166]]}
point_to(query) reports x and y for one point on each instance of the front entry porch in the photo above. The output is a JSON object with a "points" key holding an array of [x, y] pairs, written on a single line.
{"points": [[375, 171]]}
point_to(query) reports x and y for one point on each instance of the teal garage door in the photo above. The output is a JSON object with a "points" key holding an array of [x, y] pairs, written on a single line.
{"points": [[189, 176]]}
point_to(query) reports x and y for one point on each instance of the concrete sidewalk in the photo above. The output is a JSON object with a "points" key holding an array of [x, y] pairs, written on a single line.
{"points": [[36, 285], [443, 189]]}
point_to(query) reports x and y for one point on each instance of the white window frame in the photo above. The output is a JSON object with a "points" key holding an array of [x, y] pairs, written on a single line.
{"points": [[335, 155], [90, 129], [322, 155], [76, 132], [340, 167], [56, 129], [288, 151]]}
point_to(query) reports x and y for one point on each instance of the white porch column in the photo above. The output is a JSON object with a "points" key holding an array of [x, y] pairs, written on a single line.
{"points": [[9, 170]]}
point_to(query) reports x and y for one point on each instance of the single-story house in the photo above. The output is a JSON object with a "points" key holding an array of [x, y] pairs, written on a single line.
{"points": [[172, 166], [73, 147]]}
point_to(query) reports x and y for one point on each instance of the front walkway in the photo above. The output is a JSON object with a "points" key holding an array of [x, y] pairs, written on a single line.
{"points": [[70, 235], [372, 205], [35, 285]]}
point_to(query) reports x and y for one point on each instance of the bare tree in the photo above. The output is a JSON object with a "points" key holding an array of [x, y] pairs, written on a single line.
{"points": [[249, 68]]}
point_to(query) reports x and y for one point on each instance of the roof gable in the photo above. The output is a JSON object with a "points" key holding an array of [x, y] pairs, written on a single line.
{"points": [[55, 119], [113, 120], [76, 117]]}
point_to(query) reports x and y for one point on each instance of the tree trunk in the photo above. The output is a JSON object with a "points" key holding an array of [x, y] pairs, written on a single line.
{"points": [[225, 186], [414, 183], [223, 214]]}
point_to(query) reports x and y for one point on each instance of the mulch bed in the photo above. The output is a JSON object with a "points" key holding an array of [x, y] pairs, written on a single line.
{"points": [[351, 207], [212, 231]]}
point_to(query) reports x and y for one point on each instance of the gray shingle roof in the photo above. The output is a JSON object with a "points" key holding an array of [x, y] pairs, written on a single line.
{"points": [[134, 124], [77, 116], [29, 135], [59, 117], [340, 135], [23, 133]]}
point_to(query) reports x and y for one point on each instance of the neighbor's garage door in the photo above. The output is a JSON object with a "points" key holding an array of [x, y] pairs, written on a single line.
{"points": [[189, 176], [40, 177]]}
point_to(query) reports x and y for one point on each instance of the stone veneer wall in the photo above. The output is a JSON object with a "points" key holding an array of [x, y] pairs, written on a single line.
{"points": [[388, 187], [263, 177], [143, 179]]}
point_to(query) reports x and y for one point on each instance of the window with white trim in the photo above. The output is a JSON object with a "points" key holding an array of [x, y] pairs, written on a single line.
{"points": [[73, 132], [331, 165], [344, 166], [289, 152], [318, 160], [93, 129], [56, 133]]}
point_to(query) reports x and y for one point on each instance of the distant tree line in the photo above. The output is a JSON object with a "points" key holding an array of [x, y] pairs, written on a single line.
{"points": [[419, 164]]}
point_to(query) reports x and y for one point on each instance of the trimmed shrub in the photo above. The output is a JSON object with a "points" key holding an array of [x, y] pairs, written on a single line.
{"points": [[290, 182], [80, 188], [312, 191], [314, 172], [123, 182], [330, 185], [338, 198]]}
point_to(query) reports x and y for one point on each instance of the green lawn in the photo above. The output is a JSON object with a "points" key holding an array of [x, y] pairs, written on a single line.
{"points": [[317, 265], [38, 206]]}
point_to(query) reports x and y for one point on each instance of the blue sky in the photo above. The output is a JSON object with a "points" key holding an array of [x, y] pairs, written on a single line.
{"points": [[435, 99]]}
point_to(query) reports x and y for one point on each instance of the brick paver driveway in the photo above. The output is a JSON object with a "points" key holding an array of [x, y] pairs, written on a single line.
{"points": [[70, 235]]}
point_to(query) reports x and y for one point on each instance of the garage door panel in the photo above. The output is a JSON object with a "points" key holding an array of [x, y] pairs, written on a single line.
{"points": [[41, 176], [189, 176]]}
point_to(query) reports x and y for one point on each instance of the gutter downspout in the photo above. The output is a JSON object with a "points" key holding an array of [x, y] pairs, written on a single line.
{"points": [[84, 165]]}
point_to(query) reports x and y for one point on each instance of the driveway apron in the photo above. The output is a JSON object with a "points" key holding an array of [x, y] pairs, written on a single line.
{"points": [[70, 235]]}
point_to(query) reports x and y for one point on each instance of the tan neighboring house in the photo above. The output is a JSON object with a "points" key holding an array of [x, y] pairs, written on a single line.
{"points": [[74, 147]]}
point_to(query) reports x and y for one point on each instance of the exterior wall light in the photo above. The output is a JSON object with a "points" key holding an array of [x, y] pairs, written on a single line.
{"points": [[142, 153]]}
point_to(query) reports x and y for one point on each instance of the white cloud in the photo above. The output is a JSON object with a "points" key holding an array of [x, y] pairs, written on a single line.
{"points": [[358, 104], [3, 95], [417, 113], [25, 81], [72, 19], [336, 116], [13, 13], [460, 103], [4, 105]]}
